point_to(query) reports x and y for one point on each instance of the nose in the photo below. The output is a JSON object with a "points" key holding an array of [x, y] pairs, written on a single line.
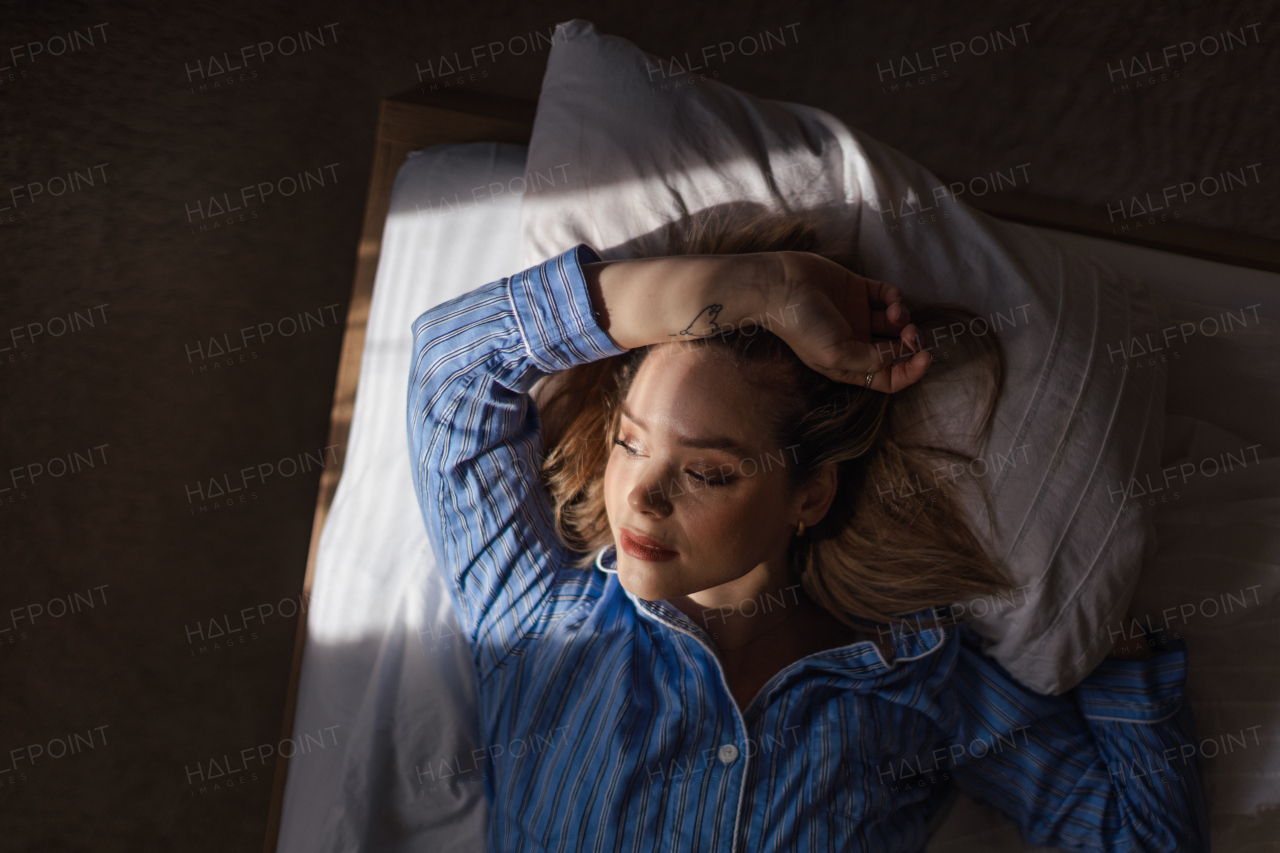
{"points": [[649, 496]]}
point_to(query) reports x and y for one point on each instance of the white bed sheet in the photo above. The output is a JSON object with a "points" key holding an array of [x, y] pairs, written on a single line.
{"points": [[383, 659]]}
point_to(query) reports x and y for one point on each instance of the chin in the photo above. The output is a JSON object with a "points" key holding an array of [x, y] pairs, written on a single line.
{"points": [[647, 581]]}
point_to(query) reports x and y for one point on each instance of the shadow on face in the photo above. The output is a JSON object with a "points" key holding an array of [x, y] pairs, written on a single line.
{"points": [[696, 486]]}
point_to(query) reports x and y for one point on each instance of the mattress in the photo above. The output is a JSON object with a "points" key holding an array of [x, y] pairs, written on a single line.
{"points": [[385, 664]]}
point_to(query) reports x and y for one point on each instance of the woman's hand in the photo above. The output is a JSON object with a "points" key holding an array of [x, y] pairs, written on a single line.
{"points": [[846, 326]]}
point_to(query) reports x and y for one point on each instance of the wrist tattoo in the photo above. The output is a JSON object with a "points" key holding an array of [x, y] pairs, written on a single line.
{"points": [[711, 312]]}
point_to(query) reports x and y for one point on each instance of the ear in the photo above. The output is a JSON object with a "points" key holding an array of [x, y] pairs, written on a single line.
{"points": [[814, 499]]}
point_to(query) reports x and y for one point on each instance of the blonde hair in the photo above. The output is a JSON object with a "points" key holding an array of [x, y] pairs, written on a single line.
{"points": [[869, 558]]}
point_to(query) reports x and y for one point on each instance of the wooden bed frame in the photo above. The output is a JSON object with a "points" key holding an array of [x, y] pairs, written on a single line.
{"points": [[413, 120]]}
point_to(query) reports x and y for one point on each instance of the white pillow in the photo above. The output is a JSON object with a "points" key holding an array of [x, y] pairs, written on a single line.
{"points": [[633, 150]]}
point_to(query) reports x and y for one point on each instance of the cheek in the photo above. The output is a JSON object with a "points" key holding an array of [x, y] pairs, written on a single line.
{"points": [[743, 523], [613, 487]]}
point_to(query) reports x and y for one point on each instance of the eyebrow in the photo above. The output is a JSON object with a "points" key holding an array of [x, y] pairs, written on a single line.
{"points": [[715, 442]]}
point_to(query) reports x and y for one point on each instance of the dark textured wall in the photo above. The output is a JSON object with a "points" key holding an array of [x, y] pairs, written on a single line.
{"points": [[127, 392]]}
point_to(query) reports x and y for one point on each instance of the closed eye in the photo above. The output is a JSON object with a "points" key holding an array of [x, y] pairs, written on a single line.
{"points": [[715, 478], [711, 478]]}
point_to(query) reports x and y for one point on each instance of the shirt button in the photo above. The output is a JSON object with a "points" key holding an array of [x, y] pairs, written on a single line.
{"points": [[728, 753]]}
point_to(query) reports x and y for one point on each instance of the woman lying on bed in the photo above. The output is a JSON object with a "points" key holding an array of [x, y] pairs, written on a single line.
{"points": [[703, 614]]}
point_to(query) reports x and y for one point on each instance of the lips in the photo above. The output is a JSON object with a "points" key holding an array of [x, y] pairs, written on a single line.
{"points": [[644, 548]]}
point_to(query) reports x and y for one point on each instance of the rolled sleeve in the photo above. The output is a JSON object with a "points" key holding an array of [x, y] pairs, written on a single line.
{"points": [[1093, 770], [553, 307], [1136, 691]]}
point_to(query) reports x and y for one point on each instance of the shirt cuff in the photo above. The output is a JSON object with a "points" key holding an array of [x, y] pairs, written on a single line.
{"points": [[553, 307], [1136, 691]]}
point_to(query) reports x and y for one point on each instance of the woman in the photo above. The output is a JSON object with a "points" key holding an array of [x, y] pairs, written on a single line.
{"points": [[699, 604]]}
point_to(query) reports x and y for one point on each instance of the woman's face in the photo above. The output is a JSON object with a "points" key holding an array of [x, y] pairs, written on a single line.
{"points": [[695, 487]]}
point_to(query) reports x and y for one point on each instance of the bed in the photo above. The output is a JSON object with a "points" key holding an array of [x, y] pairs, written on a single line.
{"points": [[379, 656]]}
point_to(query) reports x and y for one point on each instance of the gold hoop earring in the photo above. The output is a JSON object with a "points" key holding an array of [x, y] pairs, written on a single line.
{"points": [[800, 531]]}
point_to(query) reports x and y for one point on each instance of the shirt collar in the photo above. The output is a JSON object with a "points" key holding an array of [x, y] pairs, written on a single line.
{"points": [[862, 658]]}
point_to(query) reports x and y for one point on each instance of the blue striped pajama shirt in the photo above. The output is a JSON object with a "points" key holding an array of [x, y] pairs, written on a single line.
{"points": [[630, 739]]}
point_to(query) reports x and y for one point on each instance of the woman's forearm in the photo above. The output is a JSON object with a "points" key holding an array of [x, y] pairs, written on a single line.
{"points": [[655, 300], [846, 327], [1100, 768]]}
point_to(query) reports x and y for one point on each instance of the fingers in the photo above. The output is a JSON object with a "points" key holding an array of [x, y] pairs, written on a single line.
{"points": [[882, 292], [890, 322], [902, 374], [890, 378], [886, 353], [897, 346], [900, 363]]}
